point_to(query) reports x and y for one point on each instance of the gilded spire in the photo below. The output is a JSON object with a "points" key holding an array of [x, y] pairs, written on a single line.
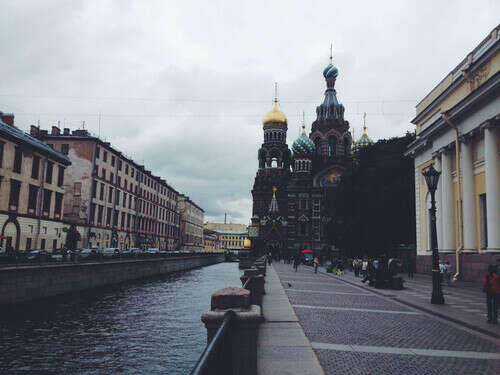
{"points": [[276, 94], [275, 116]]}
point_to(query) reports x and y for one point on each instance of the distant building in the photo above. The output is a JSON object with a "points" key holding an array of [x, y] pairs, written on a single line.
{"points": [[223, 226], [32, 180], [231, 236], [191, 223], [468, 194], [113, 201], [210, 240]]}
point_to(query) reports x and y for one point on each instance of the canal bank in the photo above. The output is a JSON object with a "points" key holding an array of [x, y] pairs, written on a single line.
{"points": [[149, 326], [22, 284]]}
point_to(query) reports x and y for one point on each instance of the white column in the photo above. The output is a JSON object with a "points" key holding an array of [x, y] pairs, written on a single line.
{"points": [[468, 206], [492, 188], [439, 197], [447, 202]]}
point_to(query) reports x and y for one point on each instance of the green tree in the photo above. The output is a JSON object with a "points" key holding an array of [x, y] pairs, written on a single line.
{"points": [[373, 207]]}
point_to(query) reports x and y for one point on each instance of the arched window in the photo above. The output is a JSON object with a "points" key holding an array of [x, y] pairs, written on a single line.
{"points": [[346, 146], [274, 163], [317, 145], [332, 145]]}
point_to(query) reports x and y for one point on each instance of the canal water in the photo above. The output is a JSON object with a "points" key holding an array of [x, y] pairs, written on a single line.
{"points": [[146, 327]]}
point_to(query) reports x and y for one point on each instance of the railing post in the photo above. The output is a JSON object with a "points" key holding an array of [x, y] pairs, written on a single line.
{"points": [[256, 286], [241, 337]]}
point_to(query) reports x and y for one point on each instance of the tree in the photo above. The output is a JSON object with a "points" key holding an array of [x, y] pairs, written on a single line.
{"points": [[373, 207]]}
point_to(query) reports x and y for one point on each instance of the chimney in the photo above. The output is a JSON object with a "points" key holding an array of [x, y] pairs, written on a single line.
{"points": [[66, 131], [8, 118], [34, 130], [55, 131]]}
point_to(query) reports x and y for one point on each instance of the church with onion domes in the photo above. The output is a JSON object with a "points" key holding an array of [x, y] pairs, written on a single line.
{"points": [[289, 191]]}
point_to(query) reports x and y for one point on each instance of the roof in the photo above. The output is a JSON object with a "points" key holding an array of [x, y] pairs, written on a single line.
{"points": [[19, 136], [225, 231]]}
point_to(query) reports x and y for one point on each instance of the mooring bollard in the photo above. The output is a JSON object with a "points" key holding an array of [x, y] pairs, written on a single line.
{"points": [[256, 286], [242, 335]]}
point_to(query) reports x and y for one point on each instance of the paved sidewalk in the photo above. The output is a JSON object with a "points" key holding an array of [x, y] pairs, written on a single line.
{"points": [[353, 329], [465, 302], [282, 347]]}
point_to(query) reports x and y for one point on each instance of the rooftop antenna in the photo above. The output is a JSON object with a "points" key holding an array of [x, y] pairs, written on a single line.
{"points": [[83, 125], [99, 124]]}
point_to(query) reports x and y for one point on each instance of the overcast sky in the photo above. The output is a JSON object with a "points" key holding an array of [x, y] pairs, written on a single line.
{"points": [[182, 86]]}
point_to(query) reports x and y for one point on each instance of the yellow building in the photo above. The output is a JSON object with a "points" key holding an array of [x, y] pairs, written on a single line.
{"points": [[31, 191], [457, 126], [231, 236]]}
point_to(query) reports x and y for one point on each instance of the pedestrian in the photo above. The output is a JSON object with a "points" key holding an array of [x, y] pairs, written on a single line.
{"points": [[316, 264], [364, 267], [491, 286], [447, 273], [296, 262], [411, 268], [441, 271], [355, 267]]}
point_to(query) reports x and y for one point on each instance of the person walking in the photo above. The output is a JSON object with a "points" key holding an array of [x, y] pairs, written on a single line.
{"points": [[296, 262], [491, 285], [316, 264], [411, 268]]}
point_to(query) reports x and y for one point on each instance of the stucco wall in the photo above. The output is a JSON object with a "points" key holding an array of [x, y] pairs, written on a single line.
{"points": [[30, 283]]}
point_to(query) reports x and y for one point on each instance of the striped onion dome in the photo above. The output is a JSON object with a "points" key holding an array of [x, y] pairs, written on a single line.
{"points": [[303, 146]]}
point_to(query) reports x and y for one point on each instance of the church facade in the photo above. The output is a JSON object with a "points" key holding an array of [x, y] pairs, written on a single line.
{"points": [[289, 191]]}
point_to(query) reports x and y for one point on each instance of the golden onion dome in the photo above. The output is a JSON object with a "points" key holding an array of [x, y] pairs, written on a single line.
{"points": [[247, 244], [275, 116]]}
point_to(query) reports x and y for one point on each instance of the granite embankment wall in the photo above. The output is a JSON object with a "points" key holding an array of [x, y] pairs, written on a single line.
{"points": [[30, 283]]}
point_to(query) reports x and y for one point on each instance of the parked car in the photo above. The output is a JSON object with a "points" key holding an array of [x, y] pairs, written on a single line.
{"points": [[153, 251], [36, 255], [136, 251], [88, 253], [126, 253], [56, 257], [110, 252]]}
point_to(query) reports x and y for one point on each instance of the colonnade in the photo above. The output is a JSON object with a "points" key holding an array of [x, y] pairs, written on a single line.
{"points": [[447, 206]]}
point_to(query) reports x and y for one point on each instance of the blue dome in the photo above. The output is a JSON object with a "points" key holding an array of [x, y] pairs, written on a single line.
{"points": [[330, 71], [303, 146]]}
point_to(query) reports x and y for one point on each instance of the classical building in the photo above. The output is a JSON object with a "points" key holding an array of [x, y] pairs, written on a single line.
{"points": [[32, 181], [289, 188], [211, 241], [457, 126], [191, 223], [113, 201], [233, 240]]}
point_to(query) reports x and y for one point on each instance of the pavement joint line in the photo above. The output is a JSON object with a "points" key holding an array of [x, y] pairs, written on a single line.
{"points": [[327, 292], [424, 309], [356, 309], [406, 351]]}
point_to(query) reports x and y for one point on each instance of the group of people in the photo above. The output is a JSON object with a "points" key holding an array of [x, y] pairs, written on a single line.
{"points": [[491, 286]]}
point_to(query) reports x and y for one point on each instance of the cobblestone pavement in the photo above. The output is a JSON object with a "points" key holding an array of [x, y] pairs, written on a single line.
{"points": [[355, 331]]}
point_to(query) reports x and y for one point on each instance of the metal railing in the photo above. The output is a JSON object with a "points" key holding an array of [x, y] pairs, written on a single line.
{"points": [[216, 358]]}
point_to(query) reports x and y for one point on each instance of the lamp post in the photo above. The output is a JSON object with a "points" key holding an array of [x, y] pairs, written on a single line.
{"points": [[431, 178]]}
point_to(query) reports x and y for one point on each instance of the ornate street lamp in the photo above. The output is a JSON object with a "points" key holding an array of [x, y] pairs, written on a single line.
{"points": [[432, 178]]}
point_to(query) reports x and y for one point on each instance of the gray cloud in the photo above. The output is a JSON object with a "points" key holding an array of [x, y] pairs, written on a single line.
{"points": [[184, 86]]}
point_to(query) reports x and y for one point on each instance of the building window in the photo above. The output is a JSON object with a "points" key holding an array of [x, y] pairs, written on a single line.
{"points": [[60, 176], [92, 212], [115, 219], [119, 164], [483, 215], [77, 189], [109, 212], [54, 244], [42, 244], [28, 243], [1, 153], [110, 195], [47, 195], [65, 149], [58, 207], [332, 146], [101, 194], [15, 187], [99, 214], [112, 161], [35, 167], [103, 176], [105, 156], [18, 159], [123, 220], [94, 188], [111, 177], [117, 200], [126, 168], [97, 152], [32, 197], [48, 176]]}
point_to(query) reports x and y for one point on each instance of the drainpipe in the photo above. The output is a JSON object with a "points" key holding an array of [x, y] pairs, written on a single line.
{"points": [[40, 203], [460, 225]]}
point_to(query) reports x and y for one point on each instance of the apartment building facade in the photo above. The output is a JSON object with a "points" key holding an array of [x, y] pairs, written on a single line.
{"points": [[32, 181], [114, 201], [192, 217]]}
